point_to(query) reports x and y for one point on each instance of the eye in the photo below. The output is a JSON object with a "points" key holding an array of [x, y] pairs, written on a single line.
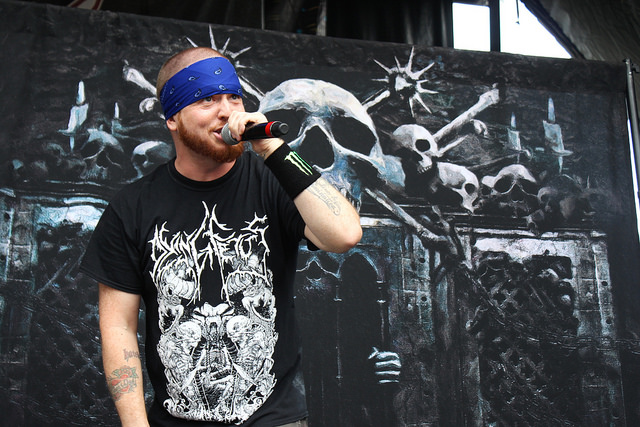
{"points": [[352, 134], [208, 99], [423, 145]]}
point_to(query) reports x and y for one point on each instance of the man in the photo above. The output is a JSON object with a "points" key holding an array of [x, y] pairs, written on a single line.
{"points": [[209, 242]]}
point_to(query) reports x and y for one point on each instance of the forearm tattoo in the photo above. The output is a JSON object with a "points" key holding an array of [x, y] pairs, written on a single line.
{"points": [[122, 381], [323, 190], [128, 354]]}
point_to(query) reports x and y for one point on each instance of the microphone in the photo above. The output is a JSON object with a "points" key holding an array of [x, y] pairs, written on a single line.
{"points": [[256, 131]]}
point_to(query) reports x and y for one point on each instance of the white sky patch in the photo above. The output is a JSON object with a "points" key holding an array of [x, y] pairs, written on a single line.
{"points": [[520, 30]]}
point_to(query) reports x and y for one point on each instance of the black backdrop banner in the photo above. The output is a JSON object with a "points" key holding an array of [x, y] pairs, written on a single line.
{"points": [[496, 282]]}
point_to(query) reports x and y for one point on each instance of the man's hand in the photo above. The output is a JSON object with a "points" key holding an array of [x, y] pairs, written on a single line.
{"points": [[239, 121]]}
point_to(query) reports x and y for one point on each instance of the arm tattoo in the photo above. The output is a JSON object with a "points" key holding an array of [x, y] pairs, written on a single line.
{"points": [[122, 381], [128, 354], [321, 189]]}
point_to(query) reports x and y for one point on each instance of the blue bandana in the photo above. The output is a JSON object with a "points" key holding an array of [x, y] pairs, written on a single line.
{"points": [[211, 76]]}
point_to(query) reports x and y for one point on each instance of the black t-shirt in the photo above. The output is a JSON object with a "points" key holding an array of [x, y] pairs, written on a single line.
{"points": [[214, 263]]}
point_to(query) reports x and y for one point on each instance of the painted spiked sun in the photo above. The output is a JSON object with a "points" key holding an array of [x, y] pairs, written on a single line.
{"points": [[402, 81], [247, 86]]}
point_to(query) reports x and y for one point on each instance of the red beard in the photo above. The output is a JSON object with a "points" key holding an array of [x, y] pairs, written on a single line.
{"points": [[221, 153]]}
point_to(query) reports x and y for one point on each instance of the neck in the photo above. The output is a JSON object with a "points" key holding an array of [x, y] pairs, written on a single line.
{"points": [[201, 168]]}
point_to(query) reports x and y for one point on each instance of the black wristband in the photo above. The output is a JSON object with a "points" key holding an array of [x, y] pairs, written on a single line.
{"points": [[293, 173]]}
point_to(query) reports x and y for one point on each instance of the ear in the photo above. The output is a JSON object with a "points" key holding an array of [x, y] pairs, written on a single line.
{"points": [[172, 124]]}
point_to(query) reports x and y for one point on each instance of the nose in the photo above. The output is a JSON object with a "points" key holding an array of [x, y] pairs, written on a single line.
{"points": [[224, 108]]}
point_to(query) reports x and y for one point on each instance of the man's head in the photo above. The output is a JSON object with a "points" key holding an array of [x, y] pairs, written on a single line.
{"points": [[194, 74], [198, 88], [182, 60]]}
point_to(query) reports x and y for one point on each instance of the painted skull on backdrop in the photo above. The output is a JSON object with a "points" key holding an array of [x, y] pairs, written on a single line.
{"points": [[512, 191], [331, 128]]}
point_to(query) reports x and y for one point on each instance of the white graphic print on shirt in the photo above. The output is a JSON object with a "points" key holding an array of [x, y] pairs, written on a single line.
{"points": [[218, 359]]}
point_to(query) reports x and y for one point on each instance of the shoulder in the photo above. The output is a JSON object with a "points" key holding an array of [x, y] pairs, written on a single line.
{"points": [[143, 187]]}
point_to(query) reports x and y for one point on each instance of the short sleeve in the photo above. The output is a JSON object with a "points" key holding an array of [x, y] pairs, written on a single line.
{"points": [[112, 257]]}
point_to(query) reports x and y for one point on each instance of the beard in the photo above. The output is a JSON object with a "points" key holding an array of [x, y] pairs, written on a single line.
{"points": [[220, 153]]}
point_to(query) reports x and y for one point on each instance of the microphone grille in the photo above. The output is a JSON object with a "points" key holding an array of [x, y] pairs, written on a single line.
{"points": [[226, 136]]}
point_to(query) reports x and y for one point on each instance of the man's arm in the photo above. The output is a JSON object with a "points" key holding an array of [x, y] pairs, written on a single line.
{"points": [[120, 353], [332, 223]]}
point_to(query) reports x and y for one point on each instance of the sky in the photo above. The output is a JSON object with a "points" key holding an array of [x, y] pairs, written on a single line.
{"points": [[520, 30]]}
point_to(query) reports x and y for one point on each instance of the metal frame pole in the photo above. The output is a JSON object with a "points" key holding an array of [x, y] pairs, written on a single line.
{"points": [[633, 118], [494, 26]]}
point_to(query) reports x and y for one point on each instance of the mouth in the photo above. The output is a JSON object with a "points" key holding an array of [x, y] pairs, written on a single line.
{"points": [[217, 134]]}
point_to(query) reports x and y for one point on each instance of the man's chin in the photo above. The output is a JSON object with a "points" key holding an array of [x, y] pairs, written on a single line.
{"points": [[216, 151], [212, 147], [227, 154]]}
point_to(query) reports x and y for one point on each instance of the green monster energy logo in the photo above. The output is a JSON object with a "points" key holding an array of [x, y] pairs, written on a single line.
{"points": [[298, 162]]}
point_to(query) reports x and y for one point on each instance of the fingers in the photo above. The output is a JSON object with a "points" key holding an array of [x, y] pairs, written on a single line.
{"points": [[387, 366], [240, 120]]}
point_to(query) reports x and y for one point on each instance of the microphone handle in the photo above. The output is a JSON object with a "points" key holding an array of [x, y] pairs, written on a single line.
{"points": [[265, 130], [273, 129]]}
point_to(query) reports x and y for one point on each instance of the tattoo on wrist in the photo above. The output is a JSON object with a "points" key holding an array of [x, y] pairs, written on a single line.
{"points": [[122, 381], [321, 189]]}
